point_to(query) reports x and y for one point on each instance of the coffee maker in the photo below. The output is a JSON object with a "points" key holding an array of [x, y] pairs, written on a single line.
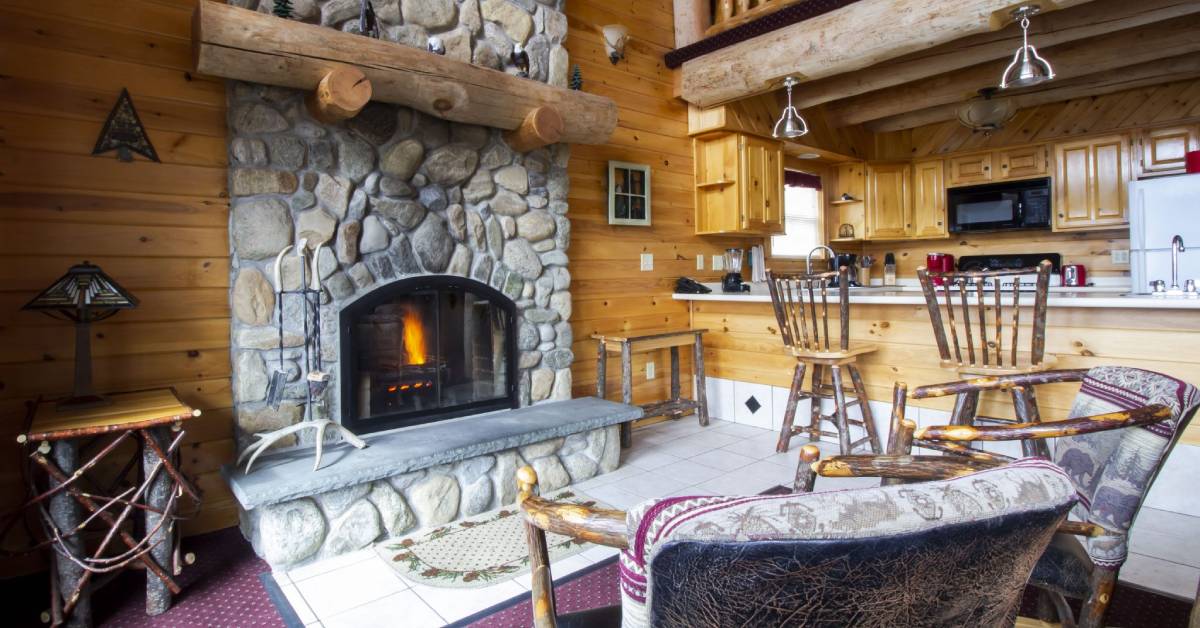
{"points": [[732, 281]]}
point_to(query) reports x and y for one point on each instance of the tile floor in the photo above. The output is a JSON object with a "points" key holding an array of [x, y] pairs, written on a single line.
{"points": [[672, 458]]}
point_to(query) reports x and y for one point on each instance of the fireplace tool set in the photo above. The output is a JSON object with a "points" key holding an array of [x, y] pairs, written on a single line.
{"points": [[315, 378]]}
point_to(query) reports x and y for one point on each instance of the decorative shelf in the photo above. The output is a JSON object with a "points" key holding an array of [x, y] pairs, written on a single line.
{"points": [[846, 240], [846, 202], [240, 44], [715, 184]]}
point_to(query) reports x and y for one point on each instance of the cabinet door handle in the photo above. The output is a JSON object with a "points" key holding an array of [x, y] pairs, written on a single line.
{"points": [[1061, 215], [987, 168], [939, 223]]}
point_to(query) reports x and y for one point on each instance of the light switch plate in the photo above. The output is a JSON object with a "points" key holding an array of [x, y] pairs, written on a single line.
{"points": [[647, 261], [718, 262], [700, 262], [649, 370], [1120, 256]]}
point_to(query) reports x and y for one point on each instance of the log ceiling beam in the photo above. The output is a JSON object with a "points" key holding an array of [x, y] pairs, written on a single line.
{"points": [[245, 45], [1095, 19], [1081, 58], [692, 18], [1156, 72], [845, 40]]}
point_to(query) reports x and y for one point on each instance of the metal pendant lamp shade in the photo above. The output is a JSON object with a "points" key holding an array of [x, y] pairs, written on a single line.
{"points": [[790, 124], [1027, 67], [84, 295]]}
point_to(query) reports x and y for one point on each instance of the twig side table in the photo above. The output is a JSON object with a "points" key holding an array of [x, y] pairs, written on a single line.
{"points": [[626, 344], [153, 418]]}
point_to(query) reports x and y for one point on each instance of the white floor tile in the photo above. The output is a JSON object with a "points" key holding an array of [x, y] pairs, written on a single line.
{"points": [[1178, 549], [744, 481], [652, 484], [838, 484], [455, 603], [772, 474], [1161, 575], [621, 472], [330, 564], [722, 460], [757, 447], [569, 565], [1165, 521], [299, 606], [737, 429], [647, 458], [688, 446], [1174, 489], [599, 552], [404, 608], [615, 496], [348, 587]]}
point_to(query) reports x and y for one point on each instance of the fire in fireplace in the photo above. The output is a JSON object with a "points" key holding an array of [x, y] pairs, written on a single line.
{"points": [[426, 349]]}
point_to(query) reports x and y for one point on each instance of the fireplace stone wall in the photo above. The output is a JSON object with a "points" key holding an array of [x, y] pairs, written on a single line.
{"points": [[394, 193]]}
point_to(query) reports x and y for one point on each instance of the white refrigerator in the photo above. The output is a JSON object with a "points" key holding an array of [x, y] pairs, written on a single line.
{"points": [[1159, 210]]}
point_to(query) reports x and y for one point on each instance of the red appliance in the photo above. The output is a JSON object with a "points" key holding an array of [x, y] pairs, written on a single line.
{"points": [[1074, 275], [939, 263], [1192, 162]]}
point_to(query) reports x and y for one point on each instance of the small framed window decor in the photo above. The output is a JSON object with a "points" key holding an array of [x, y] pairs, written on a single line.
{"points": [[628, 194]]}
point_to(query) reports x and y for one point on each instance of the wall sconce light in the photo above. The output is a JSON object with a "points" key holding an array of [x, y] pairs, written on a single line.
{"points": [[615, 37], [1027, 68]]}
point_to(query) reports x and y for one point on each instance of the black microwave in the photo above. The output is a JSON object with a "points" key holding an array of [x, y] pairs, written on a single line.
{"points": [[999, 206]]}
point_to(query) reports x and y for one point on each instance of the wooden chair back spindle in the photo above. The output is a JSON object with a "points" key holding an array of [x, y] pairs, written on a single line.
{"points": [[801, 304], [991, 352]]}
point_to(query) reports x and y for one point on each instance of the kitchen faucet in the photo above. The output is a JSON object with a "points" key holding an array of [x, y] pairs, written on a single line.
{"points": [[808, 258], [1176, 248]]}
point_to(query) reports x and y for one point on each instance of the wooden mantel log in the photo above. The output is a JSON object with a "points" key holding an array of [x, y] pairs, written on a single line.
{"points": [[543, 126], [249, 46], [340, 95]]}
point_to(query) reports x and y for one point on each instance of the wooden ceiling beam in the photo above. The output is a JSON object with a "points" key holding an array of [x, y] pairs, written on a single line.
{"points": [[1094, 19], [1155, 72], [847, 39], [692, 18], [1109, 52]]}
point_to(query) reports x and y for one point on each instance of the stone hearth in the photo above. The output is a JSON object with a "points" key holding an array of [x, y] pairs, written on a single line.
{"points": [[395, 193]]}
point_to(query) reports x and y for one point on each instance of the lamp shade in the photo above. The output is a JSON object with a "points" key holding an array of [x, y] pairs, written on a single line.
{"points": [[84, 293], [790, 125], [1026, 69]]}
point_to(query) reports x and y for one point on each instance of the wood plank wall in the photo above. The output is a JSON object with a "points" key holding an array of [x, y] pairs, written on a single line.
{"points": [[609, 291], [158, 229]]}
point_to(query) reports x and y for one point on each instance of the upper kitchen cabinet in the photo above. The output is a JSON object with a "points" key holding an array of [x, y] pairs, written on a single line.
{"points": [[1022, 163], [1162, 151], [739, 184], [970, 169], [889, 211], [1091, 177], [929, 199]]}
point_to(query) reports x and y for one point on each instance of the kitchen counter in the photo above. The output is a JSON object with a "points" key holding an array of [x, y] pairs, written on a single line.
{"points": [[1089, 297]]}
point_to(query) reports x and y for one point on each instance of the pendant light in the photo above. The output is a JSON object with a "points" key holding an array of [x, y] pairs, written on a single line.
{"points": [[1027, 68], [790, 124]]}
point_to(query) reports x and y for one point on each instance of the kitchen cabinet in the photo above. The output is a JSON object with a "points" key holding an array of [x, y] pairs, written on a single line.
{"points": [[970, 169], [1091, 177], [929, 199], [1162, 151], [851, 181], [1022, 163], [889, 212], [739, 184]]}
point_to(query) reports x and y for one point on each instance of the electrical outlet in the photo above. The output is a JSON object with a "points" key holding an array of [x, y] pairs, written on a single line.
{"points": [[718, 262], [649, 370], [1120, 256], [700, 262], [647, 261]]}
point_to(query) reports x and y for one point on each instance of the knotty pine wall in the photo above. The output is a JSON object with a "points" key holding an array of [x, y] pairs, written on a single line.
{"points": [[158, 229], [609, 291]]}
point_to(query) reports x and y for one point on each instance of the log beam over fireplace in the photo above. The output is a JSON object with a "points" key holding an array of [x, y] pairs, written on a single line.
{"points": [[249, 46], [340, 95]]}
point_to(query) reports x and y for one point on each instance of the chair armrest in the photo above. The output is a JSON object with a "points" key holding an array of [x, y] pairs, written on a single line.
{"points": [[1001, 382], [1051, 429], [1081, 528], [595, 525], [918, 468]]}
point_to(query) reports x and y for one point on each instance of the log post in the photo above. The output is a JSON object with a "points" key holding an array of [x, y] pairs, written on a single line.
{"points": [[340, 95], [542, 126]]}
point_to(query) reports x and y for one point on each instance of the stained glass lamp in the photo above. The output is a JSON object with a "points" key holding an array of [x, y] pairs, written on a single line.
{"points": [[84, 295]]}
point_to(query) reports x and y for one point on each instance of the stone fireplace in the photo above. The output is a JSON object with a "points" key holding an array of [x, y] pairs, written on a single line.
{"points": [[442, 259]]}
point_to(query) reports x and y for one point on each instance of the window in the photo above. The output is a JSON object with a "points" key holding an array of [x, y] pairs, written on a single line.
{"points": [[801, 216]]}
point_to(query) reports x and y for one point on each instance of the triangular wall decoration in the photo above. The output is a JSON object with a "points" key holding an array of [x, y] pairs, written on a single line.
{"points": [[124, 133]]}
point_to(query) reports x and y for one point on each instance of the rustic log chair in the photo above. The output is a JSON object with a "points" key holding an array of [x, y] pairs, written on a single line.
{"points": [[986, 352], [801, 304], [1112, 468], [885, 556]]}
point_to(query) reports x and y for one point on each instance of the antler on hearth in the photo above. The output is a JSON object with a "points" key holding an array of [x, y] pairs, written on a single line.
{"points": [[266, 439]]}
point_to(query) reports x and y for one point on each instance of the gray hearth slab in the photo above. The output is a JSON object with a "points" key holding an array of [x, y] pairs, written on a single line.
{"points": [[288, 474]]}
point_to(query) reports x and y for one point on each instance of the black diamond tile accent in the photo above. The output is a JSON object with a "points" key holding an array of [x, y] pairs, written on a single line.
{"points": [[753, 404]]}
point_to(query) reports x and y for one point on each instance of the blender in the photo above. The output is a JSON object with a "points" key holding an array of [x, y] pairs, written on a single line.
{"points": [[732, 281]]}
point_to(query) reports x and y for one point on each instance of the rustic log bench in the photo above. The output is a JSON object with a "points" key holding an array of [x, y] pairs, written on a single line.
{"points": [[626, 344]]}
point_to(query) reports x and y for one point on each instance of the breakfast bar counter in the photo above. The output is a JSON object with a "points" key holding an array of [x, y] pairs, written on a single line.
{"points": [[1085, 327]]}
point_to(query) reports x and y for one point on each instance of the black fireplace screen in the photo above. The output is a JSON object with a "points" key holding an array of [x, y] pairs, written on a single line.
{"points": [[426, 349]]}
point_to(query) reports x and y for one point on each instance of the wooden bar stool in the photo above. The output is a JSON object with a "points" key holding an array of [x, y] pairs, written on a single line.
{"points": [[626, 344], [804, 328], [986, 352]]}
